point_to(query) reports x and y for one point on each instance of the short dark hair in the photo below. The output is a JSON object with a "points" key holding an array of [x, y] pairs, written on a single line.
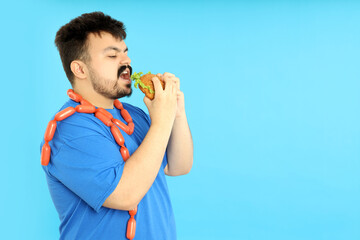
{"points": [[71, 39]]}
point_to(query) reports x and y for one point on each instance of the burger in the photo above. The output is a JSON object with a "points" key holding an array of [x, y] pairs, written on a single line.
{"points": [[145, 83]]}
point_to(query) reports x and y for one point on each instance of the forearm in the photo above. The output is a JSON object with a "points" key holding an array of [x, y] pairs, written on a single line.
{"points": [[180, 148], [141, 169]]}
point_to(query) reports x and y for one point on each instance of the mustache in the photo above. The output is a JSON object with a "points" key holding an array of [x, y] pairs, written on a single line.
{"points": [[122, 69]]}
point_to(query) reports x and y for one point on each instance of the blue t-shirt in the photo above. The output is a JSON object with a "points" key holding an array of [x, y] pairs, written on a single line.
{"points": [[85, 168]]}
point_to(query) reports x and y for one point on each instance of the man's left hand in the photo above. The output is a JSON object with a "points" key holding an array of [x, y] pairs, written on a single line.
{"points": [[180, 95]]}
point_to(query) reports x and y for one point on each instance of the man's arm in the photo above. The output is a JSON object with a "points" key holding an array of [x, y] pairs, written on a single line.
{"points": [[141, 169], [180, 148]]}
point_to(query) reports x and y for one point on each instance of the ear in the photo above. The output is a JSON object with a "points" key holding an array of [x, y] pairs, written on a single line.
{"points": [[79, 69]]}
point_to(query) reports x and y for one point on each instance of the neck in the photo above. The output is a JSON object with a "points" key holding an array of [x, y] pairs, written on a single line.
{"points": [[88, 93]]}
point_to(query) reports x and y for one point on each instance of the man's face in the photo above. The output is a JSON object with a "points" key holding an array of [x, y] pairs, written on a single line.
{"points": [[109, 67]]}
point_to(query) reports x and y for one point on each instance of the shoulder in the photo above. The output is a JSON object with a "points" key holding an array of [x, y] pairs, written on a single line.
{"points": [[80, 134], [76, 126], [79, 124]]}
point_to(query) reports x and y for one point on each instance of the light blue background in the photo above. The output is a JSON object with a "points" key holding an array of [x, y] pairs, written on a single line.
{"points": [[272, 98]]}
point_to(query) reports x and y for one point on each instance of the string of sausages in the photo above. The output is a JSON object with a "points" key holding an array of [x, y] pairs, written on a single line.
{"points": [[108, 120]]}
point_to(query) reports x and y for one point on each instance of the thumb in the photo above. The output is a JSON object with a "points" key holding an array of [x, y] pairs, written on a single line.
{"points": [[147, 101]]}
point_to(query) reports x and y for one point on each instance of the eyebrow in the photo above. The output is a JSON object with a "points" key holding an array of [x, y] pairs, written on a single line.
{"points": [[115, 49]]}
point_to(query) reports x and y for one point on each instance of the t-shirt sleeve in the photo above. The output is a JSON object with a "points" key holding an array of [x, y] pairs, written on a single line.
{"points": [[90, 166]]}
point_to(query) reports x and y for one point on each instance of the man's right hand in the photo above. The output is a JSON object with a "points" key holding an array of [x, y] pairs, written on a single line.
{"points": [[162, 109]]}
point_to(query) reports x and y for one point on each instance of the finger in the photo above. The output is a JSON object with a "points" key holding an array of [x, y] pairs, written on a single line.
{"points": [[174, 79], [157, 85], [177, 82], [166, 77], [179, 93], [160, 76], [171, 76], [174, 89], [168, 74], [169, 85]]}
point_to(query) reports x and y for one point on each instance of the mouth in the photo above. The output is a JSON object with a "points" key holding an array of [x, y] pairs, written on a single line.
{"points": [[125, 75]]}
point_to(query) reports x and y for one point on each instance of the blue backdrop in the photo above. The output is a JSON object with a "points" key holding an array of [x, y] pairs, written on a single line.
{"points": [[272, 97]]}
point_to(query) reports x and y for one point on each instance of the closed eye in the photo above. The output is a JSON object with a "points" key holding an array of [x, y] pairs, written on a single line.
{"points": [[112, 56]]}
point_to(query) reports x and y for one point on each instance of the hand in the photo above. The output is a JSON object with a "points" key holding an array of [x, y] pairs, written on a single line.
{"points": [[180, 95], [162, 109]]}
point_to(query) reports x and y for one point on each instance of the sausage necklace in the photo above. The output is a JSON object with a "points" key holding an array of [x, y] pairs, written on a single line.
{"points": [[108, 120]]}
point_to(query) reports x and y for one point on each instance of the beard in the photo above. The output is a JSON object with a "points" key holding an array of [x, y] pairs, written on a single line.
{"points": [[109, 88]]}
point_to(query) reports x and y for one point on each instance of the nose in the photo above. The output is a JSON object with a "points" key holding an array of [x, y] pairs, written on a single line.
{"points": [[125, 60]]}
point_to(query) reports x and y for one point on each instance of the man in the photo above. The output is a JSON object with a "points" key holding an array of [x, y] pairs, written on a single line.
{"points": [[92, 187]]}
